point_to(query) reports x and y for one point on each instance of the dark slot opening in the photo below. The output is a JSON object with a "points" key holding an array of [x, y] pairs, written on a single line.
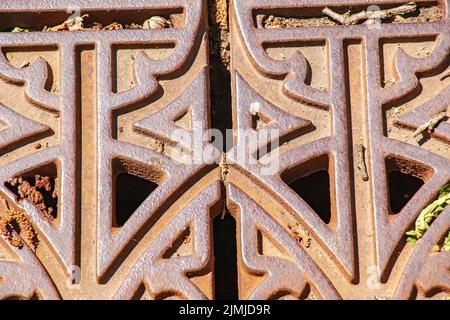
{"points": [[220, 77], [131, 191], [36, 21], [225, 263]]}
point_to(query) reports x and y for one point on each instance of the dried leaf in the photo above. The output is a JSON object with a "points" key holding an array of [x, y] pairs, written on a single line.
{"points": [[72, 24], [156, 22], [113, 26], [133, 26]]}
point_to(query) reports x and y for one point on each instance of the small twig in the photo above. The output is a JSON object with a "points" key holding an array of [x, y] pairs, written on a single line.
{"points": [[445, 76], [430, 124], [341, 18], [24, 64], [362, 162], [5, 203], [372, 16]]}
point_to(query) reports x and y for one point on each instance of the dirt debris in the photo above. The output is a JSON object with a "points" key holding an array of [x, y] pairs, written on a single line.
{"points": [[389, 83], [426, 14], [14, 220], [187, 239], [275, 22], [160, 146], [82, 23], [220, 37], [299, 233], [151, 173], [408, 167], [223, 165], [407, 13], [40, 190], [223, 171]]}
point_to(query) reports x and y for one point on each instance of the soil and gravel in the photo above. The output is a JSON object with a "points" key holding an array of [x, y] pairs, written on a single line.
{"points": [[422, 15]]}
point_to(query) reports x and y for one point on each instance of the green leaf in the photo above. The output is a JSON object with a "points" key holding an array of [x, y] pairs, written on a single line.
{"points": [[411, 240], [446, 246], [445, 190], [428, 215], [19, 29]]}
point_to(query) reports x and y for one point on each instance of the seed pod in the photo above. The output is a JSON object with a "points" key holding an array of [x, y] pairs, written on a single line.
{"points": [[156, 22]]}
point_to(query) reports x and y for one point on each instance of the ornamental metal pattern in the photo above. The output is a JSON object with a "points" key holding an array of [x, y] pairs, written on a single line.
{"points": [[358, 87], [78, 123], [343, 101]]}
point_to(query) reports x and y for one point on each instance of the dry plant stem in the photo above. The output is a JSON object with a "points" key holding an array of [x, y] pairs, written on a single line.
{"points": [[372, 16], [362, 163], [429, 125]]}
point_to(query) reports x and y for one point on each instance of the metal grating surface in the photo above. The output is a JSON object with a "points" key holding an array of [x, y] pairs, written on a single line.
{"points": [[90, 107], [334, 80]]}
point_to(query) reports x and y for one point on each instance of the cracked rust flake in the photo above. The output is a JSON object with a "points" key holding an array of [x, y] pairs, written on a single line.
{"points": [[286, 56]]}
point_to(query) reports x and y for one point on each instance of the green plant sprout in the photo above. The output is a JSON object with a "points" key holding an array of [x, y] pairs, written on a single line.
{"points": [[428, 215]]}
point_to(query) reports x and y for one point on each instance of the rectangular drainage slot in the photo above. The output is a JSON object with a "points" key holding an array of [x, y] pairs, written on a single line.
{"points": [[91, 20], [411, 12]]}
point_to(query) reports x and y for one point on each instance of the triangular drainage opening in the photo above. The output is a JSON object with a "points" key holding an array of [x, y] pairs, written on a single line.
{"points": [[133, 183], [405, 178], [40, 186], [184, 121], [311, 181]]}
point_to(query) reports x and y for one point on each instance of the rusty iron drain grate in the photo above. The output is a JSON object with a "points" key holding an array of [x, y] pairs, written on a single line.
{"points": [[359, 145], [363, 89]]}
